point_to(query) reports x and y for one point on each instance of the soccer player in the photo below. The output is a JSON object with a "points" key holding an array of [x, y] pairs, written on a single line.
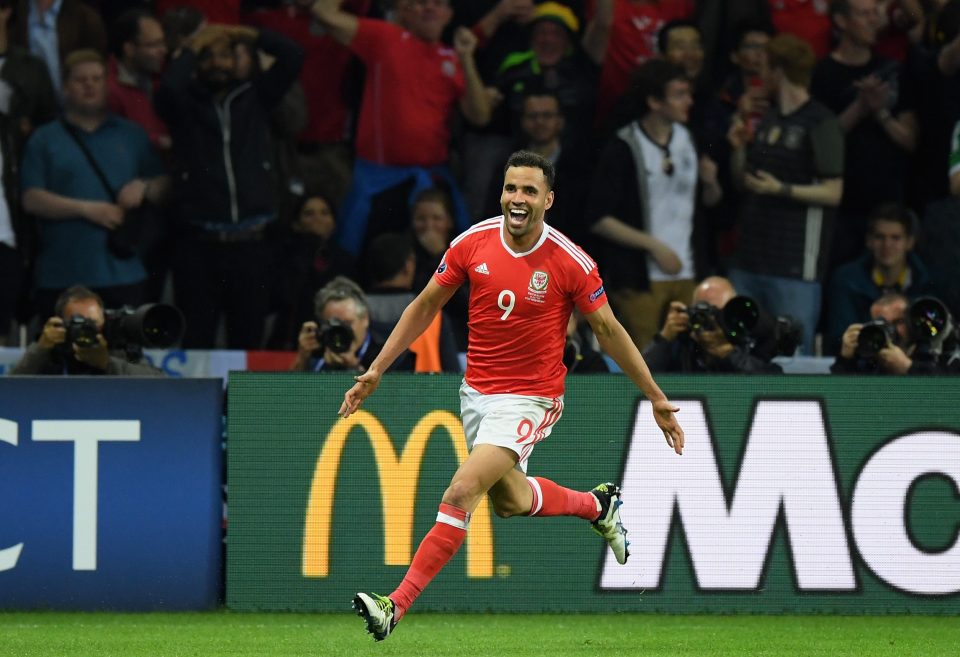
{"points": [[525, 278]]}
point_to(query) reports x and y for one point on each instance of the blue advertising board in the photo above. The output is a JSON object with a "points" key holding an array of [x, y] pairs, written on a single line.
{"points": [[110, 493]]}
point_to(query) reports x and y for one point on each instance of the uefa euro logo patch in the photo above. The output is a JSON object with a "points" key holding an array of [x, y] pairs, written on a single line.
{"points": [[442, 268], [539, 281]]}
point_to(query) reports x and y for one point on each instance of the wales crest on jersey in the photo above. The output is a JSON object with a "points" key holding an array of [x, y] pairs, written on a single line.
{"points": [[538, 281]]}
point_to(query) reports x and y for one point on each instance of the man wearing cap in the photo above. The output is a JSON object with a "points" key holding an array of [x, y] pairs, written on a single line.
{"points": [[555, 62]]}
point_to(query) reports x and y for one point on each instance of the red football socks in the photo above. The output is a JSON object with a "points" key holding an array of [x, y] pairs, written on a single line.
{"points": [[550, 499], [436, 549]]}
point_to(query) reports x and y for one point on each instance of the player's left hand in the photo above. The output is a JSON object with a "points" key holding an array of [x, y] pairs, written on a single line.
{"points": [[663, 413], [365, 384]]}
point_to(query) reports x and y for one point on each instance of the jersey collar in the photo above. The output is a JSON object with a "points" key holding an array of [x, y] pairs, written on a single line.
{"points": [[543, 238]]}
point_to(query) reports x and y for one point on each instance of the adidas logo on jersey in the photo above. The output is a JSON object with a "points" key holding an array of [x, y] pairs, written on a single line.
{"points": [[482, 269]]}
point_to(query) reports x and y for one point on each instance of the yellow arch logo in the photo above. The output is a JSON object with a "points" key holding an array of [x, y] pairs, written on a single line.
{"points": [[398, 484]]}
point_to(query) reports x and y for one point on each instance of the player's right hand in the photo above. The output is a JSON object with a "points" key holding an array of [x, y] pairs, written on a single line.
{"points": [[365, 384], [663, 413]]}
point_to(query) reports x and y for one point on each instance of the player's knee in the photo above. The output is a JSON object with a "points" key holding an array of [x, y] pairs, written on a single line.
{"points": [[463, 493]]}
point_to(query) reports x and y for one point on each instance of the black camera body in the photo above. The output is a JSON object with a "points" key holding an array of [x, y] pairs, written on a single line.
{"points": [[874, 336], [703, 316], [81, 331], [335, 335]]}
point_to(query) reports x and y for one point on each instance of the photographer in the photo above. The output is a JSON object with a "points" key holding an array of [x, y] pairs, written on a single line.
{"points": [[341, 338], [73, 342], [902, 338], [693, 338]]}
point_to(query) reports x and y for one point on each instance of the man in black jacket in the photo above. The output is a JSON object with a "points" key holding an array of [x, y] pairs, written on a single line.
{"points": [[224, 193], [680, 347]]}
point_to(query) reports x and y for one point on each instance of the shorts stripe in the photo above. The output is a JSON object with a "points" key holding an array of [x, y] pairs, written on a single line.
{"points": [[537, 496], [548, 420]]}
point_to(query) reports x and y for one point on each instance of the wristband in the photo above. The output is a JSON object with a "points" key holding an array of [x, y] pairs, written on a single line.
{"points": [[786, 189]]}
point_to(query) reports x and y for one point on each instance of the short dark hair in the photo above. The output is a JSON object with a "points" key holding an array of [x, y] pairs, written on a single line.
{"points": [[750, 25], [534, 161], [541, 92], [75, 293], [650, 80], [664, 34], [897, 213], [126, 28], [306, 197], [387, 255], [434, 195]]}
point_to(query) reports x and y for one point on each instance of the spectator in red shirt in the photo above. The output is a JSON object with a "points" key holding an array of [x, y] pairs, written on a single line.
{"points": [[324, 157], [807, 19], [413, 85], [139, 54]]}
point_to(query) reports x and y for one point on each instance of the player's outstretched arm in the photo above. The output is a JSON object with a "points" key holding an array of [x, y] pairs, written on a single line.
{"points": [[414, 320], [616, 342]]}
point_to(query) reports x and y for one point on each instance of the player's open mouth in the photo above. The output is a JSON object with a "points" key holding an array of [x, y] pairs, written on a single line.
{"points": [[518, 214]]}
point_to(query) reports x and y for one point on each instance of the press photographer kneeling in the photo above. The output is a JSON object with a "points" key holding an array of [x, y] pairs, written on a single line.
{"points": [[902, 338], [719, 332], [84, 339]]}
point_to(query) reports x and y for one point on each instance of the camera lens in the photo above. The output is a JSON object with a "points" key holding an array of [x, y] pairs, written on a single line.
{"points": [[740, 315], [928, 318]]}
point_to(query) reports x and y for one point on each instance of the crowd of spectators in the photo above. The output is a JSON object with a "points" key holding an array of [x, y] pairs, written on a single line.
{"points": [[269, 165]]}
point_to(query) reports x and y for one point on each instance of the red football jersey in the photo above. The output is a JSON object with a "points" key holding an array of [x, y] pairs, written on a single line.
{"points": [[519, 306], [410, 93]]}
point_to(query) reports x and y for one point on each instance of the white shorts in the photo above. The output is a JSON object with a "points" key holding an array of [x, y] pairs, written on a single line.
{"points": [[517, 422]]}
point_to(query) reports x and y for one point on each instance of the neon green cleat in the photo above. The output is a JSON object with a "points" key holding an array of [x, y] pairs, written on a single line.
{"points": [[377, 611], [608, 525]]}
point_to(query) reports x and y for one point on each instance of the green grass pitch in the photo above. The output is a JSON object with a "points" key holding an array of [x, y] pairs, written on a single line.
{"points": [[54, 634]]}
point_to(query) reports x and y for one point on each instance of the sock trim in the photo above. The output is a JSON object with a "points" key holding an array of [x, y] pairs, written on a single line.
{"points": [[537, 496], [453, 516]]}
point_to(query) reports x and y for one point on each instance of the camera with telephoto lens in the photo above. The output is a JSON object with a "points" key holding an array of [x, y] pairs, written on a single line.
{"points": [[154, 325], [874, 336], [335, 335], [737, 318]]}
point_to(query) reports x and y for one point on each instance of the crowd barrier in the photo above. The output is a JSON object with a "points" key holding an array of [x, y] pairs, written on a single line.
{"points": [[794, 494], [110, 493], [183, 363], [219, 362]]}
